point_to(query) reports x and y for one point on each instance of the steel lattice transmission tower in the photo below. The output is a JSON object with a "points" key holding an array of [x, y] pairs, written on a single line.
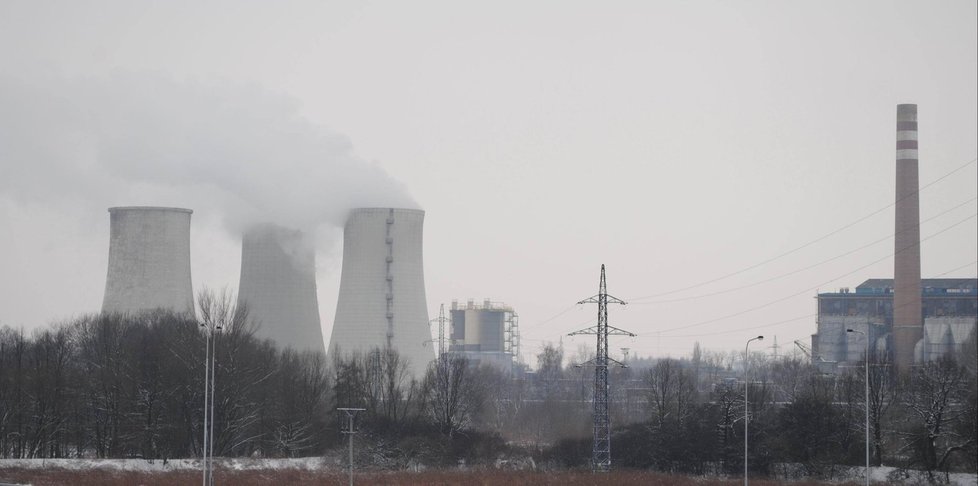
{"points": [[601, 452]]}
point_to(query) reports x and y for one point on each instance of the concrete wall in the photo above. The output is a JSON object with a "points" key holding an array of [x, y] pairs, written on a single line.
{"points": [[943, 335], [834, 344], [382, 295], [278, 286], [149, 260]]}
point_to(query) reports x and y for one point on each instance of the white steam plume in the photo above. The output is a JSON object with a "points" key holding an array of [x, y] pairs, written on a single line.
{"points": [[140, 139]]}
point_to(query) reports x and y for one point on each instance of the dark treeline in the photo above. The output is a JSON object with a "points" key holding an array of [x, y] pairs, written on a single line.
{"points": [[113, 385], [132, 386], [687, 416]]}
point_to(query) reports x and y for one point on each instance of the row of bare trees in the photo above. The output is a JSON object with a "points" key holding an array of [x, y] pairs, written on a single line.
{"points": [[132, 386], [112, 385], [805, 418]]}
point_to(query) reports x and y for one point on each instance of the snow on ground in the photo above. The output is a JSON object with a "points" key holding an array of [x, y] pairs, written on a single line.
{"points": [[879, 475], [150, 465]]}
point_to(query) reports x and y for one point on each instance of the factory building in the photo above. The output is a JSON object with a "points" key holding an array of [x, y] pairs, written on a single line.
{"points": [[278, 286], [485, 334], [910, 319], [149, 260], [382, 299], [949, 315]]}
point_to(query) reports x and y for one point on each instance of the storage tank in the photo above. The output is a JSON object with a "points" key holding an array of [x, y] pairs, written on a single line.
{"points": [[382, 295], [278, 286], [149, 260]]}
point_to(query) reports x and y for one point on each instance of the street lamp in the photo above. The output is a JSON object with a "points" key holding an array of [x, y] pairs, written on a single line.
{"points": [[866, 336], [210, 363], [746, 365]]}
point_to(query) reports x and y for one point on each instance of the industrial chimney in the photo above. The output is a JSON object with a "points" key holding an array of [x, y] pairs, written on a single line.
{"points": [[149, 260], [278, 286], [908, 326], [382, 295]]}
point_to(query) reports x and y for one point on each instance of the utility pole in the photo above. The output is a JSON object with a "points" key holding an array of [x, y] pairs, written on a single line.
{"points": [[775, 347], [441, 331], [601, 451], [351, 413]]}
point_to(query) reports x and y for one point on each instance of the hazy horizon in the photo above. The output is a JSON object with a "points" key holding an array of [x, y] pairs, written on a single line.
{"points": [[677, 143]]}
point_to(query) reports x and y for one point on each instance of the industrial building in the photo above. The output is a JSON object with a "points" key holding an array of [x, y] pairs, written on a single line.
{"points": [[487, 333], [949, 316], [278, 286], [149, 260], [382, 294], [909, 319]]}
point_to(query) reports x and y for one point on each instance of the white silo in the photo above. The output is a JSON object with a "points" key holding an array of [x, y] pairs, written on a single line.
{"points": [[382, 296], [278, 286], [149, 260]]}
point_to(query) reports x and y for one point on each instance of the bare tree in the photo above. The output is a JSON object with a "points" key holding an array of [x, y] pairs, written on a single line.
{"points": [[935, 398], [881, 388], [451, 395], [672, 391]]}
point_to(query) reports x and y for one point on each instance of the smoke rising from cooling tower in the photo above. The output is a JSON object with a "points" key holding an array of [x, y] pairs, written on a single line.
{"points": [[147, 139], [278, 286], [382, 294], [149, 260]]}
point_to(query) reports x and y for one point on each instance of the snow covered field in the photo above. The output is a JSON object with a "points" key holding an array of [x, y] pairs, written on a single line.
{"points": [[881, 475], [158, 465]]}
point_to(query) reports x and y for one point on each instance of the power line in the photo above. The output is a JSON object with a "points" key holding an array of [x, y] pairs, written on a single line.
{"points": [[730, 331], [966, 265], [809, 243], [799, 270], [784, 321], [819, 285], [771, 324]]}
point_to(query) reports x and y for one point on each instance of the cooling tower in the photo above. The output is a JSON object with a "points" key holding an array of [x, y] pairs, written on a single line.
{"points": [[149, 260], [907, 315], [382, 297], [278, 286]]}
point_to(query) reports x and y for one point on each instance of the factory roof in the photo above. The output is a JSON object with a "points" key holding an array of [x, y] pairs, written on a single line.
{"points": [[951, 287], [931, 283]]}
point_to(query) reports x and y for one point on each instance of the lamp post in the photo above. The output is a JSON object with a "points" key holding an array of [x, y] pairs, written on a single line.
{"points": [[207, 393], [210, 365], [746, 365], [866, 336]]}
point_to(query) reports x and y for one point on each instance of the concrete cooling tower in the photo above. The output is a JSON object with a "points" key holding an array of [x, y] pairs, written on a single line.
{"points": [[278, 286], [149, 260], [382, 297]]}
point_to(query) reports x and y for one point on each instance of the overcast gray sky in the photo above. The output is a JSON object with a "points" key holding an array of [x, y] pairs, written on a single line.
{"points": [[674, 141]]}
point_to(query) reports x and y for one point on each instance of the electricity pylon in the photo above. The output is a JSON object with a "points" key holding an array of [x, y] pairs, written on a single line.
{"points": [[601, 451]]}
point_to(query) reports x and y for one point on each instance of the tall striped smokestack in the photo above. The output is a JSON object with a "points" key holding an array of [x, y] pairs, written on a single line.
{"points": [[908, 326]]}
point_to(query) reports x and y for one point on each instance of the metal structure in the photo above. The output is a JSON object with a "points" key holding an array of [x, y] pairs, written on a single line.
{"points": [[441, 320], [485, 333], [601, 450], [278, 286], [149, 260], [382, 294], [351, 414], [907, 314]]}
